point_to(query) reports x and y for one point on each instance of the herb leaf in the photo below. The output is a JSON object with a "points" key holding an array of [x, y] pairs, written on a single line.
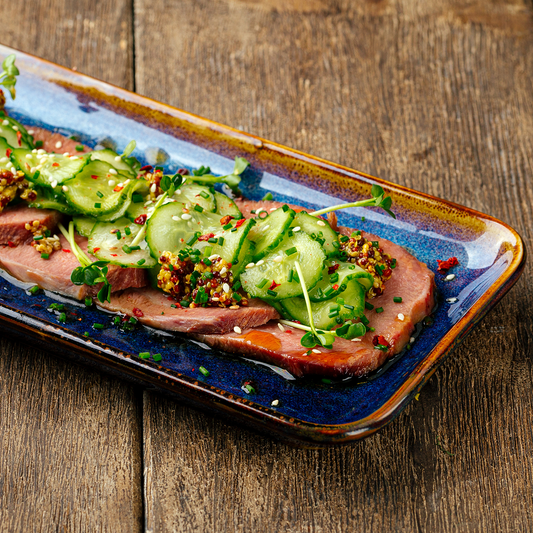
{"points": [[9, 74]]}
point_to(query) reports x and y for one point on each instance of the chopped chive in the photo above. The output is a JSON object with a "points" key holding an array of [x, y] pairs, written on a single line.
{"points": [[335, 244], [268, 196], [291, 275], [174, 306], [198, 208], [364, 320], [141, 262], [220, 241], [226, 227], [88, 302], [291, 251], [132, 320], [333, 313], [343, 238], [86, 333], [234, 230], [39, 144], [133, 248], [340, 301], [326, 381], [157, 357], [56, 307], [119, 235], [329, 291], [379, 269], [252, 211], [393, 263], [192, 240], [291, 233], [97, 205], [206, 261], [79, 148], [212, 240], [350, 307], [247, 388], [237, 285], [371, 329], [334, 278], [208, 275], [184, 303], [262, 283], [144, 355], [237, 297], [397, 299], [368, 305], [204, 371], [203, 194], [99, 194], [375, 244], [45, 256], [127, 230], [363, 219], [126, 249], [272, 293], [379, 310], [38, 237], [381, 347], [137, 198], [285, 208], [62, 317], [117, 321], [97, 325]]}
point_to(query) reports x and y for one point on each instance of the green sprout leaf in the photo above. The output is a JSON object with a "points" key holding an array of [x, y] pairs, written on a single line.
{"points": [[9, 74], [129, 149]]}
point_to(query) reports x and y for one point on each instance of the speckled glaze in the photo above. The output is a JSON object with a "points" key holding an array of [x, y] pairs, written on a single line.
{"points": [[309, 413]]}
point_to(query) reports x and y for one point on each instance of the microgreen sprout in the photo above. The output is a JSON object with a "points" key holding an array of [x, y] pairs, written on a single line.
{"points": [[9, 75], [129, 149], [88, 273], [378, 200], [203, 175]]}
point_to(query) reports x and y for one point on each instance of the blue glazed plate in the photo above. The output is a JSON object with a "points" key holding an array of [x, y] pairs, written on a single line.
{"points": [[491, 256]]}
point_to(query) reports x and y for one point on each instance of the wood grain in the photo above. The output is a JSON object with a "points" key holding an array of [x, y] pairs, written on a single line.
{"points": [[431, 95], [70, 438]]}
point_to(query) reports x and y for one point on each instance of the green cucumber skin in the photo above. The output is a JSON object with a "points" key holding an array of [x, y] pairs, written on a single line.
{"points": [[10, 135], [310, 225], [191, 192], [109, 156], [226, 206]]}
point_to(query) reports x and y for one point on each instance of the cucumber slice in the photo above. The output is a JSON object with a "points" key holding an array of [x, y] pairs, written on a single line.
{"points": [[226, 206], [197, 194], [308, 253], [319, 230], [92, 193], [325, 313], [108, 246], [167, 231], [246, 254], [84, 225], [7, 131], [324, 289], [48, 199], [269, 232], [136, 209], [4, 147], [110, 156]]}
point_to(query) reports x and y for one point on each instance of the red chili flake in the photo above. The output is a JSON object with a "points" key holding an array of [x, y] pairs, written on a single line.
{"points": [[335, 287], [66, 251], [137, 312], [19, 138], [333, 268], [11, 244], [9, 152], [55, 164], [226, 220], [146, 167], [274, 285], [183, 171], [380, 339], [94, 176], [444, 266], [206, 237], [141, 219], [114, 255], [96, 249], [240, 222]]}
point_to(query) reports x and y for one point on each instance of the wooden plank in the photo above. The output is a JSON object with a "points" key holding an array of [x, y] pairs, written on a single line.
{"points": [[432, 95], [70, 437]]}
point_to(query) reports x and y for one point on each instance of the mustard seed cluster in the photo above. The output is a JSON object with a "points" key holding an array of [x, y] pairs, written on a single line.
{"points": [[154, 182], [10, 184], [43, 241]]}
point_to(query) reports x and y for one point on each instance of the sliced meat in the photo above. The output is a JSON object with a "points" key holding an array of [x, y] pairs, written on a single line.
{"points": [[411, 280], [14, 219], [53, 274], [55, 142], [149, 304]]}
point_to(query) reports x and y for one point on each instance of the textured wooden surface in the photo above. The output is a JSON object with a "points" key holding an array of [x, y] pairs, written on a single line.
{"points": [[435, 95]]}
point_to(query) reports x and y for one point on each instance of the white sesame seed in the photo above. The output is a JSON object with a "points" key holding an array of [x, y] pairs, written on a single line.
{"points": [[225, 287], [121, 184], [65, 188], [41, 151], [186, 216], [411, 340], [401, 317], [320, 223], [28, 156], [189, 224], [297, 228], [259, 263], [278, 259], [15, 128], [66, 154], [59, 144], [257, 211], [273, 208], [213, 257], [451, 300], [233, 307], [237, 329], [153, 188], [73, 157], [266, 227], [31, 132], [249, 265], [178, 191], [281, 328], [33, 170], [43, 160], [356, 339], [4, 160], [316, 351], [176, 218], [54, 184], [111, 183], [5, 122], [149, 202], [449, 277], [305, 353], [274, 403], [125, 183], [118, 158], [34, 151], [39, 167], [113, 171]]}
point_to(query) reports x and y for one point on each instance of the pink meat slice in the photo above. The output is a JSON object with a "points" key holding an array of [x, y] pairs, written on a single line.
{"points": [[53, 274], [14, 219], [51, 142], [148, 304]]}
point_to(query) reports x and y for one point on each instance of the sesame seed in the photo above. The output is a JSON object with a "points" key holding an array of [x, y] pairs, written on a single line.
{"points": [[401, 317], [33, 170], [271, 209], [15, 128], [321, 223], [34, 151], [225, 287], [153, 188], [118, 158], [66, 154], [186, 216], [39, 167], [43, 160], [215, 299], [449, 277], [316, 351], [213, 257], [59, 144], [125, 183], [176, 218], [281, 328], [113, 171], [274, 403], [356, 339], [411, 340], [305, 353], [223, 271], [451, 300], [266, 227], [189, 224], [178, 191], [111, 183], [28, 156], [249, 265], [237, 329], [121, 184], [149, 202], [73, 158], [65, 188], [257, 211], [278, 259], [54, 184], [234, 307], [41, 151], [5, 122], [297, 228], [31, 132], [4, 160], [260, 262]]}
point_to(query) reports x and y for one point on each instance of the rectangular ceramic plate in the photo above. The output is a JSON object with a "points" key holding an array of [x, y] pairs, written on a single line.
{"points": [[490, 253]]}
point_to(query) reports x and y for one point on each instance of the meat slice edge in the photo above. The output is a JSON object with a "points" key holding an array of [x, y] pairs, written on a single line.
{"points": [[13, 222]]}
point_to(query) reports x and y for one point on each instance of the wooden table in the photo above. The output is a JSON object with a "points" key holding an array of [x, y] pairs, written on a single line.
{"points": [[435, 95]]}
